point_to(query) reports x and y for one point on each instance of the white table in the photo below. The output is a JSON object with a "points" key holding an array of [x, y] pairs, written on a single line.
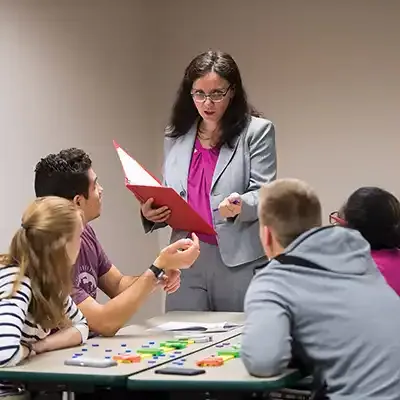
{"points": [[231, 376], [49, 368]]}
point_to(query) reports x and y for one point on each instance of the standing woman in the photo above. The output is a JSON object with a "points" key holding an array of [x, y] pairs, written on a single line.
{"points": [[218, 152]]}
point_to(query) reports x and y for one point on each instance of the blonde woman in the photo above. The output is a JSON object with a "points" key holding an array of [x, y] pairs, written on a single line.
{"points": [[35, 283]]}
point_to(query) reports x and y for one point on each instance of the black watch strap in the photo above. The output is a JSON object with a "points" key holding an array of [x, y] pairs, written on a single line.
{"points": [[158, 272]]}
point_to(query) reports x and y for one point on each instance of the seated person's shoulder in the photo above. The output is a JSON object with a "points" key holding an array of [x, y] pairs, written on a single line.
{"points": [[89, 233], [9, 275], [90, 243]]}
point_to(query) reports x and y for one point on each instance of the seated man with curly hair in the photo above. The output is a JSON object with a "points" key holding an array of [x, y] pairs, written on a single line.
{"points": [[69, 174]]}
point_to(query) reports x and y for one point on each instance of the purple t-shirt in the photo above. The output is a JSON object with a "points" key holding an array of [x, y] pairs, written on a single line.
{"points": [[91, 264], [388, 262], [200, 177]]}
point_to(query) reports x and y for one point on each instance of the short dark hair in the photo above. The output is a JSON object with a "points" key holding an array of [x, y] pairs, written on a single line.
{"points": [[184, 112], [375, 213], [64, 174]]}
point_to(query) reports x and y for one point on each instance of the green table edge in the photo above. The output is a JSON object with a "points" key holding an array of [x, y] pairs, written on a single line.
{"points": [[71, 379], [160, 385]]}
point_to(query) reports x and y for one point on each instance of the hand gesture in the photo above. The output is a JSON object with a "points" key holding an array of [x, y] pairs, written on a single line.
{"points": [[230, 206], [179, 255], [171, 280], [155, 215]]}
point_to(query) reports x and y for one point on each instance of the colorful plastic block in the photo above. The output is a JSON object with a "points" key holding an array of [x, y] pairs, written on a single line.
{"points": [[127, 358], [174, 344], [152, 350], [167, 349], [194, 338], [229, 352], [210, 362], [227, 357]]}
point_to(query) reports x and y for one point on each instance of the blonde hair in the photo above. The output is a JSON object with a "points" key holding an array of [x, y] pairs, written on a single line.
{"points": [[39, 249], [289, 207]]}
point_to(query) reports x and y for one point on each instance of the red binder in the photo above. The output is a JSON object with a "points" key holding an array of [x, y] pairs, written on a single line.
{"points": [[145, 186]]}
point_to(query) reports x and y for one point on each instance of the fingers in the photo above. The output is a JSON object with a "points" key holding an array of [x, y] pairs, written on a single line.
{"points": [[173, 289], [171, 281], [225, 211], [147, 205], [190, 256], [196, 241], [234, 198], [181, 244], [179, 255], [160, 214], [173, 285], [230, 206], [162, 217]]}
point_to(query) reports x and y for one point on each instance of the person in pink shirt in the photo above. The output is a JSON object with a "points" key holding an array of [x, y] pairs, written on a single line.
{"points": [[375, 213], [218, 152]]}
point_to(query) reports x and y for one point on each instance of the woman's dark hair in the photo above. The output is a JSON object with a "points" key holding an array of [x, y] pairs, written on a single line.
{"points": [[375, 213], [184, 112]]}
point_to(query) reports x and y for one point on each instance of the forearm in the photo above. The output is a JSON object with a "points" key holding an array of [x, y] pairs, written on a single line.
{"points": [[116, 312], [62, 339], [126, 282]]}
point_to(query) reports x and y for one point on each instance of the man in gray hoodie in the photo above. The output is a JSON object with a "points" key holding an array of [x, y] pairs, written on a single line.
{"points": [[322, 298]]}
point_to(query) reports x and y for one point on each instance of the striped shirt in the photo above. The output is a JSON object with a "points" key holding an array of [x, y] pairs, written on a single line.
{"points": [[17, 324]]}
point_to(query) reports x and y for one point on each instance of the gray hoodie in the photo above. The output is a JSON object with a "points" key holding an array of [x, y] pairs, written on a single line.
{"points": [[341, 316]]}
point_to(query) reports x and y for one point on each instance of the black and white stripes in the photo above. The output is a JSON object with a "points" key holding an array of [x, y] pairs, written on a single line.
{"points": [[17, 325]]}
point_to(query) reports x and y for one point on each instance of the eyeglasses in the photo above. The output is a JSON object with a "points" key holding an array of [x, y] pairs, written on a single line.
{"points": [[334, 219], [215, 97]]}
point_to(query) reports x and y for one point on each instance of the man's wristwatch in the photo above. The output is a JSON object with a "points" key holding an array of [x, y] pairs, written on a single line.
{"points": [[158, 272]]}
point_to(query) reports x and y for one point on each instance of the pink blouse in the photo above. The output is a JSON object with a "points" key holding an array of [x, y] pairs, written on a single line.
{"points": [[200, 177], [388, 262]]}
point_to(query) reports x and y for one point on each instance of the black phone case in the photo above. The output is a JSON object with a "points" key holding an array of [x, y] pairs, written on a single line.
{"points": [[180, 371]]}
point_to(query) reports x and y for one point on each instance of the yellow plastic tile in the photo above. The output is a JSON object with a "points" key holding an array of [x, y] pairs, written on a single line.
{"points": [[227, 358], [145, 355], [167, 349]]}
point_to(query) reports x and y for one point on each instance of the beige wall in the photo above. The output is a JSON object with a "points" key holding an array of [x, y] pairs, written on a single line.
{"points": [[71, 74], [326, 72], [82, 72]]}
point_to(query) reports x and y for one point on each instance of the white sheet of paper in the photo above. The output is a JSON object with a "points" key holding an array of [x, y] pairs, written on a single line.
{"points": [[173, 326], [134, 172]]}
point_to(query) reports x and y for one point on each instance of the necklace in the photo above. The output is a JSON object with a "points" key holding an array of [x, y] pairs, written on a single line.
{"points": [[204, 135]]}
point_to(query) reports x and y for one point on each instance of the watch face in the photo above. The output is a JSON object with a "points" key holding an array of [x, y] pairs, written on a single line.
{"points": [[159, 273]]}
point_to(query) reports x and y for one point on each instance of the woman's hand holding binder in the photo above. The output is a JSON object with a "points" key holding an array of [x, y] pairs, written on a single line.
{"points": [[156, 215]]}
